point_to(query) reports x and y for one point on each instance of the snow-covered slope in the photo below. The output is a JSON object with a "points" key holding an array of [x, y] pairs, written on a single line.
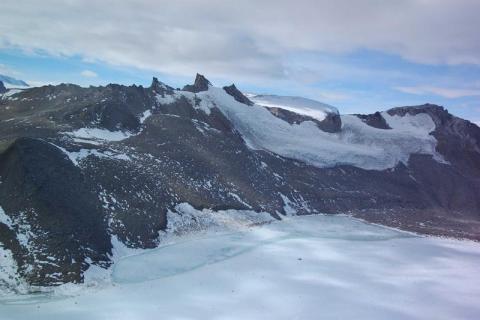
{"points": [[10, 82]]}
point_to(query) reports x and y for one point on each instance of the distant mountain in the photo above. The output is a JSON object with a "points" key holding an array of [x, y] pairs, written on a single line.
{"points": [[3, 89], [10, 82], [83, 170]]}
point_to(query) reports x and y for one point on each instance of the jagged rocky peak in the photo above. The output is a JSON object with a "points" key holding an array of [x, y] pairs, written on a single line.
{"points": [[2, 88], [237, 94], [201, 84], [160, 87]]}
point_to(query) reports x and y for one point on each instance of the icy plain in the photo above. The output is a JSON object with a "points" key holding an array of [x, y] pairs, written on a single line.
{"points": [[311, 267]]}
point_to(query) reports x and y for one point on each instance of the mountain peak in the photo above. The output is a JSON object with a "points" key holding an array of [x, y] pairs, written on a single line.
{"points": [[2, 87], [201, 84], [237, 94]]}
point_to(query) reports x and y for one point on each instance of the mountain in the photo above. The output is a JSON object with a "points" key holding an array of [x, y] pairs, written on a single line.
{"points": [[3, 89], [85, 170], [10, 82]]}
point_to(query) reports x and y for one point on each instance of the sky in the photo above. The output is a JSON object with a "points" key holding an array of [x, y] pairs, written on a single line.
{"points": [[358, 55]]}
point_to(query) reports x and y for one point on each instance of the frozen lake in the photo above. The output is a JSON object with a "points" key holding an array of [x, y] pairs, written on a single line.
{"points": [[328, 267]]}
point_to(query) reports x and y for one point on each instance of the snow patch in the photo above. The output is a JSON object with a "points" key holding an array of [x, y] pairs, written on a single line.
{"points": [[303, 106], [145, 116], [10, 93], [288, 206], [77, 156], [99, 134], [185, 219], [6, 220]]}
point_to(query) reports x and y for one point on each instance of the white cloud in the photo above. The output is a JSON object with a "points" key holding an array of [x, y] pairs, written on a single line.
{"points": [[88, 74], [440, 91], [241, 38]]}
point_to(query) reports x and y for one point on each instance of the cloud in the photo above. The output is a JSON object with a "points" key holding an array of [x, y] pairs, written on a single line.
{"points": [[7, 71], [88, 74], [240, 38], [450, 93]]}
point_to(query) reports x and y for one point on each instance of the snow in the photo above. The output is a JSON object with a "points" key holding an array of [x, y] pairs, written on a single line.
{"points": [[9, 280], [77, 156], [167, 98], [99, 134], [10, 93], [8, 272], [288, 206], [145, 115], [14, 86], [5, 219], [310, 267], [357, 144], [185, 219], [307, 107]]}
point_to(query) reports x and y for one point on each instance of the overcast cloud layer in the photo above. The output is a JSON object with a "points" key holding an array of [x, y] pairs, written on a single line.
{"points": [[247, 39]]}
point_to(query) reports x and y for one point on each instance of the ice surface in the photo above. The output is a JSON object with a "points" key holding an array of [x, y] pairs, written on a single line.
{"points": [[357, 144], [307, 107], [311, 267]]}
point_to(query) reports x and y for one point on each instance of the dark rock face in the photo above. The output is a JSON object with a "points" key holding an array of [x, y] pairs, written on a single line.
{"points": [[237, 95], [71, 196], [160, 87], [374, 120], [201, 84], [458, 139], [43, 190], [2, 88], [332, 122]]}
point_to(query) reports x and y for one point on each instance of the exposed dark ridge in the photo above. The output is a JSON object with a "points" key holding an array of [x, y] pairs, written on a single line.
{"points": [[201, 84], [160, 87], [458, 140], [2, 88], [40, 182], [237, 94], [374, 120], [332, 122], [438, 113]]}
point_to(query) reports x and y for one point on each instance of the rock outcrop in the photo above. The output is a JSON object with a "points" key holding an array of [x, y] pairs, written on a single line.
{"points": [[237, 95], [201, 84]]}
